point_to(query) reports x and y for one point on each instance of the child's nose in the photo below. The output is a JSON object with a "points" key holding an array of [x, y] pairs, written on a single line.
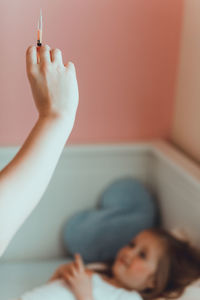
{"points": [[129, 256]]}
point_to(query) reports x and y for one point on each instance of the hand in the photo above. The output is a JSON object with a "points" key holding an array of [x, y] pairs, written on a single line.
{"points": [[63, 269], [78, 279], [54, 85]]}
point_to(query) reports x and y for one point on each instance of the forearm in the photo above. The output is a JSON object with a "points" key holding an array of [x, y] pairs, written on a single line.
{"points": [[24, 180]]}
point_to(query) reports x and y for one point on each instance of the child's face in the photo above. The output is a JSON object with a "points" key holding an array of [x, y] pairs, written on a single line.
{"points": [[136, 263]]}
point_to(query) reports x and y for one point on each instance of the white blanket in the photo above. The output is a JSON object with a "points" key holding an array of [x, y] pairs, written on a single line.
{"points": [[58, 290]]}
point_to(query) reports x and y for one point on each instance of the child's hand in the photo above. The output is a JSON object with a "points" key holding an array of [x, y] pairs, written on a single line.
{"points": [[63, 269], [54, 85], [79, 279]]}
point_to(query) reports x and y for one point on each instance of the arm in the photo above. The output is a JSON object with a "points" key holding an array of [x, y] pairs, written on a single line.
{"points": [[24, 180]]}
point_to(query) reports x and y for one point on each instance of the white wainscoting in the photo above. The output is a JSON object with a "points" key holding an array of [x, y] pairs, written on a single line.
{"points": [[175, 180], [82, 174]]}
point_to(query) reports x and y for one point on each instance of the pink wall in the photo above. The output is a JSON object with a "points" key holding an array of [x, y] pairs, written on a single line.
{"points": [[186, 121], [126, 55]]}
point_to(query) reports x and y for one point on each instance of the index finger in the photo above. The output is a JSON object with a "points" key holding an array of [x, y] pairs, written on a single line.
{"points": [[31, 56], [55, 276], [79, 262]]}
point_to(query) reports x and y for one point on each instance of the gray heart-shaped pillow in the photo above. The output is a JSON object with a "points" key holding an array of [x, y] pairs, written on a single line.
{"points": [[125, 208]]}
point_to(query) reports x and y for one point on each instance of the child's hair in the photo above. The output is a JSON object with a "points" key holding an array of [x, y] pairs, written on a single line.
{"points": [[177, 268]]}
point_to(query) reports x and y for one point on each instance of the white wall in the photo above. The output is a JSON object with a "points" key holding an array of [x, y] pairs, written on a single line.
{"points": [[82, 174], [186, 124]]}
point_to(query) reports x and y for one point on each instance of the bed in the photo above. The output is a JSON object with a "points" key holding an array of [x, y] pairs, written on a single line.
{"points": [[34, 254]]}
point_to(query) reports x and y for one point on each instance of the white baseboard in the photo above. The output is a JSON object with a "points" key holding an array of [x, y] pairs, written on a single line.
{"points": [[84, 171]]}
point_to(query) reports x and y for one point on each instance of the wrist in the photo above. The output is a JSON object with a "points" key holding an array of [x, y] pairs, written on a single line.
{"points": [[85, 296], [57, 119]]}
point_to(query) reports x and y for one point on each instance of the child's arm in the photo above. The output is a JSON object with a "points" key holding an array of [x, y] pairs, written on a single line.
{"points": [[24, 180]]}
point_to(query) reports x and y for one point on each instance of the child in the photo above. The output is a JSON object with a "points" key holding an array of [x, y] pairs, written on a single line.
{"points": [[154, 264]]}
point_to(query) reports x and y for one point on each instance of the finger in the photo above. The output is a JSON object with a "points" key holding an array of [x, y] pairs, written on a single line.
{"points": [[56, 56], [44, 52], [53, 278], [38, 54], [70, 66], [73, 269], [56, 276], [79, 262], [68, 278], [31, 56]]}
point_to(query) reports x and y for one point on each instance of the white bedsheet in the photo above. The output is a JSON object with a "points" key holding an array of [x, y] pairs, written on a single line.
{"points": [[101, 290], [18, 277]]}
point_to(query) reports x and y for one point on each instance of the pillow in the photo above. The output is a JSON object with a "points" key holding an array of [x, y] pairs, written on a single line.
{"points": [[125, 208]]}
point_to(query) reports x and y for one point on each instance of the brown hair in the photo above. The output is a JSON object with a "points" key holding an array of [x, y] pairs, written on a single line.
{"points": [[177, 268]]}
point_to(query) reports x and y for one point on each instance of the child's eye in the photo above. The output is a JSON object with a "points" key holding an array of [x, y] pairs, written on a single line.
{"points": [[142, 254], [131, 244]]}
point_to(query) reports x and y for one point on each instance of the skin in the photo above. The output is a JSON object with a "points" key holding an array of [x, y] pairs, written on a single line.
{"points": [[77, 277], [136, 264], [133, 268], [24, 180]]}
